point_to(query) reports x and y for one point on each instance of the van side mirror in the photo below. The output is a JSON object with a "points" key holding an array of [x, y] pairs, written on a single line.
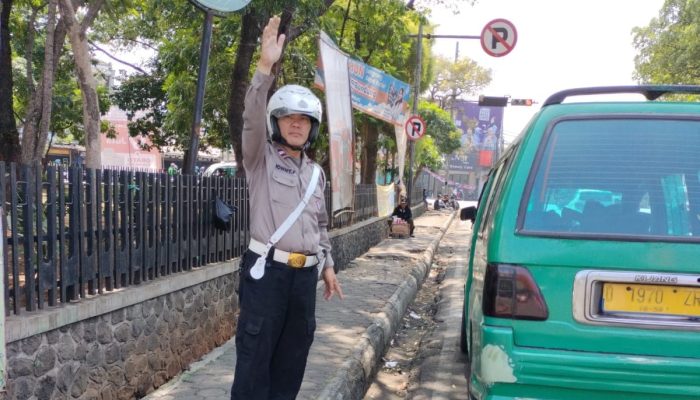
{"points": [[468, 213]]}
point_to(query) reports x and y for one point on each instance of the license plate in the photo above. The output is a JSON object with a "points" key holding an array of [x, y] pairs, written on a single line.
{"points": [[681, 301]]}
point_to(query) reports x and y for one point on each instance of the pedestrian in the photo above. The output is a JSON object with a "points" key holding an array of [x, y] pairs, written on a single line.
{"points": [[403, 211], [279, 271], [172, 169], [439, 204]]}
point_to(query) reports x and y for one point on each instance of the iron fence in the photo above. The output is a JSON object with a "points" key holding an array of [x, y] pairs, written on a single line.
{"points": [[73, 233], [365, 207]]}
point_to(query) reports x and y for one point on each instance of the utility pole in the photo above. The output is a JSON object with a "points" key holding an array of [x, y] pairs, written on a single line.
{"points": [[454, 89], [416, 92], [452, 116]]}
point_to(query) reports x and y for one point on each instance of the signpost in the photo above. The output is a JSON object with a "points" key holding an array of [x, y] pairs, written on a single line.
{"points": [[210, 8], [3, 354], [498, 37], [415, 127], [416, 90]]}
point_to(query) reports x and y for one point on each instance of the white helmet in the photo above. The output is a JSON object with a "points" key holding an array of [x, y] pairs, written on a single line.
{"points": [[293, 99]]}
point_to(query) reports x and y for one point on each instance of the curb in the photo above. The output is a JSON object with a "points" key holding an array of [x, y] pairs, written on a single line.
{"points": [[352, 379]]}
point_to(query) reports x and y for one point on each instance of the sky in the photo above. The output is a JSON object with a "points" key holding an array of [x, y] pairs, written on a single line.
{"points": [[561, 44]]}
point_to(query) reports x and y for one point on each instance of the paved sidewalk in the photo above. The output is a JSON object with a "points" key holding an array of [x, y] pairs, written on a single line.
{"points": [[350, 335]]}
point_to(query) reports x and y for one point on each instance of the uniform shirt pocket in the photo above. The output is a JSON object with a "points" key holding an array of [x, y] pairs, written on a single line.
{"points": [[284, 193], [284, 188]]}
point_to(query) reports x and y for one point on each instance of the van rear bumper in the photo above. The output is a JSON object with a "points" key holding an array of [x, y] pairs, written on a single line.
{"points": [[526, 372]]}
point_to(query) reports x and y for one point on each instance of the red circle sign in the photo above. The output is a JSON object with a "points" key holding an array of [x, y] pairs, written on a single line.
{"points": [[498, 37], [415, 127]]}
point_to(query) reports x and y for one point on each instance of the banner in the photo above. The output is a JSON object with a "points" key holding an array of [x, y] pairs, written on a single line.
{"points": [[401, 145], [373, 91], [339, 117], [378, 94], [448, 182], [386, 198], [463, 160], [482, 127]]}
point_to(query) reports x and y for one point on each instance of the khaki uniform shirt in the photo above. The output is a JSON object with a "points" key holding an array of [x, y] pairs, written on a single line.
{"points": [[277, 183]]}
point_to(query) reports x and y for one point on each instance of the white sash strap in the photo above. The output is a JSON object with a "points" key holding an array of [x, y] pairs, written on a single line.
{"points": [[258, 269]]}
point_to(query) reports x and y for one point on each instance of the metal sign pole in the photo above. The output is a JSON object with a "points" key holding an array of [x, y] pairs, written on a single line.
{"points": [[497, 39], [210, 7], [3, 306], [452, 116], [416, 91], [204, 50]]}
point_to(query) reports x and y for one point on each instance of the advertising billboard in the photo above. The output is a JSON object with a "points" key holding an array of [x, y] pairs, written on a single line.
{"points": [[339, 117], [124, 151], [373, 91], [482, 127]]}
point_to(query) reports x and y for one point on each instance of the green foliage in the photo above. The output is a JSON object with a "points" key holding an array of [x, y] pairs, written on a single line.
{"points": [[426, 154], [165, 98], [144, 100], [669, 47], [160, 103], [439, 125], [67, 105], [376, 32], [176, 37], [453, 79]]}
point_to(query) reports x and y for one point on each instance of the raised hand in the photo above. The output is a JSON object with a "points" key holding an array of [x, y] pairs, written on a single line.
{"points": [[271, 45]]}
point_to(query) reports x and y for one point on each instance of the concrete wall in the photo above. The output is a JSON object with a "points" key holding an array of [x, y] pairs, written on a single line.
{"points": [[354, 241], [122, 345]]}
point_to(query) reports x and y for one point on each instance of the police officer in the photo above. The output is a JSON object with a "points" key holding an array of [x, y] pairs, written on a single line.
{"points": [[277, 319]]}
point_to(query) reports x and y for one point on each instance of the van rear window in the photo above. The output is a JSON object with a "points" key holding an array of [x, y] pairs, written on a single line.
{"points": [[630, 177]]}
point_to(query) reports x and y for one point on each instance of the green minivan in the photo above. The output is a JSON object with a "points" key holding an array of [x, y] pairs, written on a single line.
{"points": [[584, 267]]}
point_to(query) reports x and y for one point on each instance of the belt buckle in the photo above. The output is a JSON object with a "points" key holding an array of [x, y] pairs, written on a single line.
{"points": [[296, 260]]}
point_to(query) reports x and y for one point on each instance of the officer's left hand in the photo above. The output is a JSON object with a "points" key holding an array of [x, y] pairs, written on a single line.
{"points": [[332, 284]]}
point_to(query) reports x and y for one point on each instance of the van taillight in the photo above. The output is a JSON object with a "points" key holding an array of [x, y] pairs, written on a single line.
{"points": [[511, 292]]}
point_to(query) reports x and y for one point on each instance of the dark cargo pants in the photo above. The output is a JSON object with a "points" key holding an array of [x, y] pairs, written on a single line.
{"points": [[275, 330]]}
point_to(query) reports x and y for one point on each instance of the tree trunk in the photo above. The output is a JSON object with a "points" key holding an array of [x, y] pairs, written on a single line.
{"points": [[36, 126], [9, 137], [88, 85], [250, 32], [29, 52]]}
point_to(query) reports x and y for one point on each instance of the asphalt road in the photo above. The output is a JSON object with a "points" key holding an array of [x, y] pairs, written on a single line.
{"points": [[424, 361]]}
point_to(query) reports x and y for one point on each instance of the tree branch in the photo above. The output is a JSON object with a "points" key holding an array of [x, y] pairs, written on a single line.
{"points": [[105, 52], [296, 31], [93, 10], [144, 44]]}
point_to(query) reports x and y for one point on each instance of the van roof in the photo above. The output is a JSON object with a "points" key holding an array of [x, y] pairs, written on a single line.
{"points": [[651, 92]]}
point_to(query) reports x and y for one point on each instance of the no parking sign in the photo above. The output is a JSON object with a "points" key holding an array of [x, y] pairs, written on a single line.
{"points": [[499, 37], [415, 127]]}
